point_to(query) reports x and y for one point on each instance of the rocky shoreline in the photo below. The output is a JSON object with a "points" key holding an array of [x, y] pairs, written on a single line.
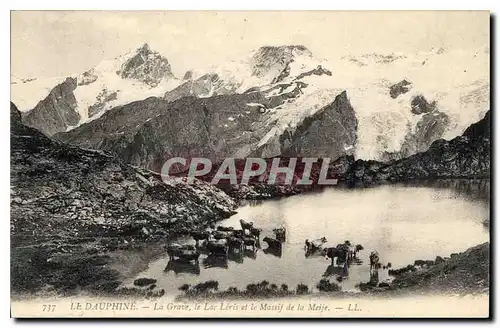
{"points": [[100, 268], [460, 274]]}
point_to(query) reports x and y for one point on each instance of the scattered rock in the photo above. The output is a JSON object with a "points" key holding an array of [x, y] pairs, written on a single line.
{"points": [[302, 289], [326, 285], [464, 273], [399, 88], [141, 282]]}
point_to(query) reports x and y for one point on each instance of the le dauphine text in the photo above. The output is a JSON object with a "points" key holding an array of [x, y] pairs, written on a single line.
{"points": [[223, 306]]}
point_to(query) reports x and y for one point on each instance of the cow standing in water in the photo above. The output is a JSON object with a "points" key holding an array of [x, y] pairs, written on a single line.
{"points": [[185, 253], [280, 234], [357, 249], [246, 225], [374, 260], [200, 236], [255, 232], [336, 252], [314, 245]]}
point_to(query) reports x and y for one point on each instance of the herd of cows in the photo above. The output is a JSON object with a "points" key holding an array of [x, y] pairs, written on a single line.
{"points": [[223, 242]]}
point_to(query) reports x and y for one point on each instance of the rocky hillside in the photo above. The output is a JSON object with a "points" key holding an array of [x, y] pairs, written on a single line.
{"points": [[62, 190], [146, 66], [462, 273]]}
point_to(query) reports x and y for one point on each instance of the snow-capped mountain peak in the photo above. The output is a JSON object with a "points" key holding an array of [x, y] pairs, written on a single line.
{"points": [[261, 68], [147, 66], [135, 75]]}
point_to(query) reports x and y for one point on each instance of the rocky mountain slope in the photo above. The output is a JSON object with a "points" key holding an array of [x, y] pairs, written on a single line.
{"points": [[261, 68], [57, 111], [465, 272], [466, 156], [149, 132], [62, 190], [83, 97]]}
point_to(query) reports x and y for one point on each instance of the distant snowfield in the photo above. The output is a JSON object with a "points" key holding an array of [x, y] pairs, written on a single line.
{"points": [[457, 80]]}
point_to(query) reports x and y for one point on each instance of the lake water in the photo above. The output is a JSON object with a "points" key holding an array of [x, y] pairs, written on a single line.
{"points": [[402, 223]]}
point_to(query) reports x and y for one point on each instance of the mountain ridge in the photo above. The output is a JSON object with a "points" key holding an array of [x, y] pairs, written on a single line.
{"points": [[399, 113]]}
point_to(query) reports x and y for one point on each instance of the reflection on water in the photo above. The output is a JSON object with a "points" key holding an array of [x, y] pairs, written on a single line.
{"points": [[478, 189], [180, 267], [403, 223]]}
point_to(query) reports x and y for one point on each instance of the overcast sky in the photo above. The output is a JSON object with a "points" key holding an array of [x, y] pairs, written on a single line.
{"points": [[48, 43]]}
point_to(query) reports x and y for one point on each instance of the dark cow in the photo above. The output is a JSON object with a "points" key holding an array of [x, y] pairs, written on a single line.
{"points": [[374, 260], [315, 245], [240, 233], [249, 241], [272, 243], [218, 247], [255, 232], [357, 249], [334, 252], [235, 243], [250, 253], [186, 253], [374, 279], [215, 261], [221, 234], [199, 235], [280, 234], [307, 245], [278, 252], [235, 256], [246, 225]]}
